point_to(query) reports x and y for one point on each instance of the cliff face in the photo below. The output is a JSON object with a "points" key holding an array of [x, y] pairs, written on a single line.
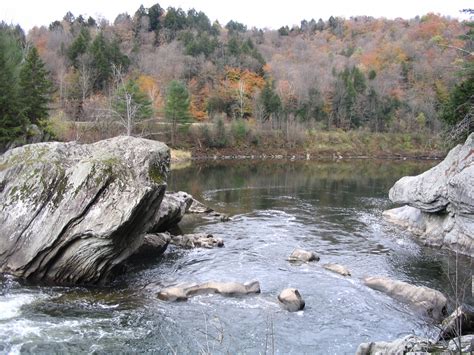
{"points": [[440, 202], [72, 212]]}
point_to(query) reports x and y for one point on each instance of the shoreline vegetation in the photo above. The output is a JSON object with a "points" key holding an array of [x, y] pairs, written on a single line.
{"points": [[324, 145]]}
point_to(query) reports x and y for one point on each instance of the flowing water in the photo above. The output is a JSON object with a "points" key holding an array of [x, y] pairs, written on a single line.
{"points": [[331, 208]]}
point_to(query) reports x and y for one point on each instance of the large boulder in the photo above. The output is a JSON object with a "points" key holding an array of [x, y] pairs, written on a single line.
{"points": [[427, 301], [72, 212], [441, 201]]}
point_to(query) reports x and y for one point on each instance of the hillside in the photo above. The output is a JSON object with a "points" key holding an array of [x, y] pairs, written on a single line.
{"points": [[362, 73]]}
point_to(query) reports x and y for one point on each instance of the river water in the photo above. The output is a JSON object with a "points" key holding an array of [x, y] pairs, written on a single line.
{"points": [[331, 208]]}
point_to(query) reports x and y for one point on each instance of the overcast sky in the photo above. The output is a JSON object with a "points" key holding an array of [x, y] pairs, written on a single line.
{"points": [[271, 14]]}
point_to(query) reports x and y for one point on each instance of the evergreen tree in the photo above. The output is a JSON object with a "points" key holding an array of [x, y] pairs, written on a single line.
{"points": [[35, 88], [458, 110], [177, 106], [155, 13], [270, 100], [79, 46], [105, 55], [11, 121]]}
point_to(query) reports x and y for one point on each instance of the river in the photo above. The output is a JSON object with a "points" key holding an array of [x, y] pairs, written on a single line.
{"points": [[332, 208]]}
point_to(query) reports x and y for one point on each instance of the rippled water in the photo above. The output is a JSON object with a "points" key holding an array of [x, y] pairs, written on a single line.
{"points": [[331, 208]]}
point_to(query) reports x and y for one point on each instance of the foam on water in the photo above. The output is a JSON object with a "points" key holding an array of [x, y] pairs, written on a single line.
{"points": [[10, 304]]}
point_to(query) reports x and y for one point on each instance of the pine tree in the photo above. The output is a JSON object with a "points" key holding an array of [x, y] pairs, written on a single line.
{"points": [[79, 46], [35, 88], [270, 100], [12, 123], [177, 106]]}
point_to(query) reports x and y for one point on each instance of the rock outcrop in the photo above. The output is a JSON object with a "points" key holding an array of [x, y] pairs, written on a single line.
{"points": [[291, 300], [338, 269], [71, 212], [183, 292], [427, 301], [441, 201], [304, 256]]}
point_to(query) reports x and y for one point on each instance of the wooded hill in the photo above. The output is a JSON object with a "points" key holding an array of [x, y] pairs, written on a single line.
{"points": [[365, 73]]}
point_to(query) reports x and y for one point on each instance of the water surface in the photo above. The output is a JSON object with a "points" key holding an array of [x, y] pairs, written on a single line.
{"points": [[331, 208]]}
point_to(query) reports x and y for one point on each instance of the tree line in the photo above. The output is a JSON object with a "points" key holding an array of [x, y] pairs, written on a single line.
{"points": [[359, 73]]}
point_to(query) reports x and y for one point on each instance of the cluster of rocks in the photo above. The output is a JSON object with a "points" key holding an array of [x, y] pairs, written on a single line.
{"points": [[439, 210], [71, 213], [428, 302]]}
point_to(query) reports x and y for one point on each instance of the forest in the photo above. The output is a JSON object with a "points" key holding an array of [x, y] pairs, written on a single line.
{"points": [[172, 75]]}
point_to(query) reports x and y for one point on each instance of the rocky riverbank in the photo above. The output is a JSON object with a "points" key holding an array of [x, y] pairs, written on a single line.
{"points": [[439, 204], [71, 213]]}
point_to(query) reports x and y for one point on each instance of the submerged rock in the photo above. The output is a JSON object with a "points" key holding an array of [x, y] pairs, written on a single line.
{"points": [[198, 240], [183, 292], [337, 268], [291, 300], [408, 344], [441, 201], [199, 209], [426, 300], [300, 255], [72, 212]]}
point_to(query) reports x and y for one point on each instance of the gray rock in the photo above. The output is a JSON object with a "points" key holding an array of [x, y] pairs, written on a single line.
{"points": [[408, 344], [198, 240], [291, 300], [300, 255], [460, 322], [464, 345], [71, 213], [197, 208], [442, 201], [337, 268], [153, 245], [172, 209], [425, 300], [183, 292]]}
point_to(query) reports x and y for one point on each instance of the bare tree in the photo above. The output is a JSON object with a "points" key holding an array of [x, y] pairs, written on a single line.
{"points": [[127, 104]]}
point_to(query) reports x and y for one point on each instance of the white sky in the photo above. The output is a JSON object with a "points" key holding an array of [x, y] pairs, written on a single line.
{"points": [[271, 14]]}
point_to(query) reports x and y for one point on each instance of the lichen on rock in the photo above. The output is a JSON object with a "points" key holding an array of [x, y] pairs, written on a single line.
{"points": [[72, 212]]}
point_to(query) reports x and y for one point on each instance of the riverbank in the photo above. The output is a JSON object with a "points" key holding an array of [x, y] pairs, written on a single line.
{"points": [[330, 145]]}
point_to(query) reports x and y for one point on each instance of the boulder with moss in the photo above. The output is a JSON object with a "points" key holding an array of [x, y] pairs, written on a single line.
{"points": [[72, 212]]}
